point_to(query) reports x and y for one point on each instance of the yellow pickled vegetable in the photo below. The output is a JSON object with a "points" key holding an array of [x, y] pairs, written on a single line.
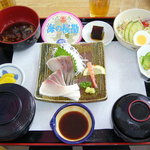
{"points": [[7, 78], [8, 75]]}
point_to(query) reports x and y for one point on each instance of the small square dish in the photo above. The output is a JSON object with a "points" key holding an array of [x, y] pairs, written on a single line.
{"points": [[93, 52], [143, 57]]}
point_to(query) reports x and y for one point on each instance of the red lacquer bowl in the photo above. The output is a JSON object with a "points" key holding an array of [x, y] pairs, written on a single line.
{"points": [[18, 14]]}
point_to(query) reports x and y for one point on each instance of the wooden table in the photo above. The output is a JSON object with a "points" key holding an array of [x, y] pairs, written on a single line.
{"points": [[79, 7]]}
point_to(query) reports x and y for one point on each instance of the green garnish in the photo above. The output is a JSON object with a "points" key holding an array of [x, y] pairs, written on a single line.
{"points": [[62, 52], [145, 61], [85, 84]]}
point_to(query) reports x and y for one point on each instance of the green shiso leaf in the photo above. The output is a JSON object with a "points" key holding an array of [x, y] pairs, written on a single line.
{"points": [[62, 52]]}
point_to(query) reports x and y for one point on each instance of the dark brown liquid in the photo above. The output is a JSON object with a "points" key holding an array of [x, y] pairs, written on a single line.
{"points": [[73, 125], [17, 32]]}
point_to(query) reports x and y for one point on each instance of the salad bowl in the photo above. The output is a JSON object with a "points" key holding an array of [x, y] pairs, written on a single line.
{"points": [[123, 18]]}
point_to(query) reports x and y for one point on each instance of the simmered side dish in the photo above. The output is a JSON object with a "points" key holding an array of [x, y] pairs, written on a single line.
{"points": [[17, 32]]}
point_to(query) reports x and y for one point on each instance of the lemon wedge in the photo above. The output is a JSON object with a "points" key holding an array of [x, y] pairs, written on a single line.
{"points": [[97, 70]]}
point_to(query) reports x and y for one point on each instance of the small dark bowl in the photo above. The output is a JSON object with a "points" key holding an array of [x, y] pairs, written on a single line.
{"points": [[17, 14], [131, 117]]}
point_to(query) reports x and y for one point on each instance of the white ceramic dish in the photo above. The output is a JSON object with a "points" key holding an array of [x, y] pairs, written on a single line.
{"points": [[108, 32], [13, 69], [129, 14], [142, 51]]}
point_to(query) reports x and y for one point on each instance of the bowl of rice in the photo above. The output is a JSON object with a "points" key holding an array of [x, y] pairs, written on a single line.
{"points": [[132, 28]]}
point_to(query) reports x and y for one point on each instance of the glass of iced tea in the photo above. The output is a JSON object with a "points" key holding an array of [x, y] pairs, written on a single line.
{"points": [[99, 8], [6, 3]]}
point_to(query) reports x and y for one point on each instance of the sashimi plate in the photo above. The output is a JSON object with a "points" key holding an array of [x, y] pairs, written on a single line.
{"points": [[93, 52]]}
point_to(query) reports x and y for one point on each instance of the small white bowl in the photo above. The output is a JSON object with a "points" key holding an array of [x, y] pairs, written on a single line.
{"points": [[14, 69], [142, 51], [129, 14], [108, 32]]}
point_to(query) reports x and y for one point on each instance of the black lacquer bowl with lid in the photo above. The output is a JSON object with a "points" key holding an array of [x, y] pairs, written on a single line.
{"points": [[17, 109], [131, 117]]}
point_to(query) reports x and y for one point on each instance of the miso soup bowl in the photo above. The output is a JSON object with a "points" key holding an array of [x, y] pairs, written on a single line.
{"points": [[17, 14], [79, 117]]}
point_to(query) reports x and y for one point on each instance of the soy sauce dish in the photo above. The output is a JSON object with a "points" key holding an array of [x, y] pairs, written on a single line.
{"points": [[73, 123], [131, 117]]}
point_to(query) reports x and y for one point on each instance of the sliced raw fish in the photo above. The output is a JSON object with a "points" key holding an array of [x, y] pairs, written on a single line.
{"points": [[74, 95], [70, 72], [57, 63], [57, 76], [52, 77], [65, 64], [51, 88]]}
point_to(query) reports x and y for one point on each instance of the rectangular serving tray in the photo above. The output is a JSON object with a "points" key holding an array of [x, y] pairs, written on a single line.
{"points": [[93, 52]]}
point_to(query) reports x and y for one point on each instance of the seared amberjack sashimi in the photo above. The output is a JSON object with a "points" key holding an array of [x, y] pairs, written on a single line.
{"points": [[61, 81], [57, 76], [51, 88], [65, 64]]}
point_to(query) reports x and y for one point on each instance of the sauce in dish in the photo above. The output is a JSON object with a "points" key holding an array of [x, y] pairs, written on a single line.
{"points": [[73, 125], [17, 32]]}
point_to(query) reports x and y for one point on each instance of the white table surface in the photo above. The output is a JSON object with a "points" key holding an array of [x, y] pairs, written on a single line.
{"points": [[122, 77]]}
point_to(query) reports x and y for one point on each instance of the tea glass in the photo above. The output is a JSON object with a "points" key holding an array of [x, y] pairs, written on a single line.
{"points": [[99, 8]]}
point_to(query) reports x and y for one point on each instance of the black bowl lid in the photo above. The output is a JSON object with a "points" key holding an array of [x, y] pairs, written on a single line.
{"points": [[127, 138], [17, 109], [10, 107], [131, 116]]}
